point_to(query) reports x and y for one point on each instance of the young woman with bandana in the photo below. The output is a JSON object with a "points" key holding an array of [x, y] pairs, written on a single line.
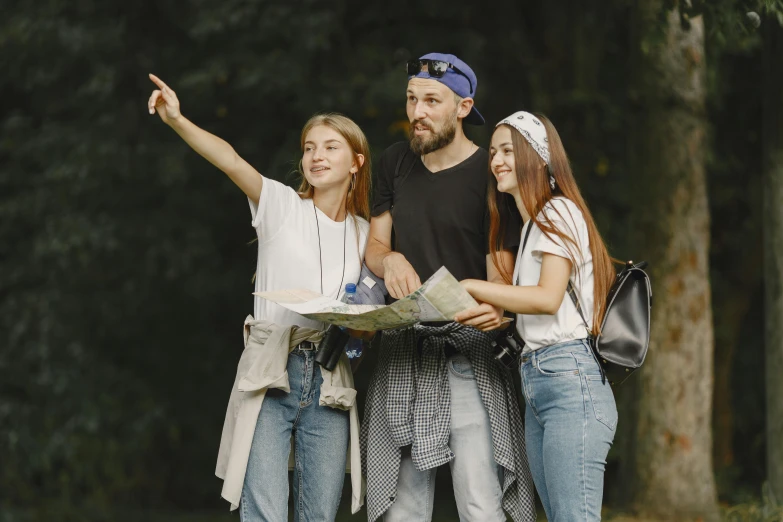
{"points": [[313, 238], [571, 417]]}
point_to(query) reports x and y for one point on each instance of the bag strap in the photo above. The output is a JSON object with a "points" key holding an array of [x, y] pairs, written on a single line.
{"points": [[575, 299], [524, 243], [527, 235], [572, 293]]}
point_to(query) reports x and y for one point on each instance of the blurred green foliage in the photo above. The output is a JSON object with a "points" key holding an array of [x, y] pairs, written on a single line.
{"points": [[126, 269]]}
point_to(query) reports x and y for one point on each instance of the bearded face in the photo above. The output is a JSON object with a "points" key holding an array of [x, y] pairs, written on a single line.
{"points": [[432, 109], [435, 137]]}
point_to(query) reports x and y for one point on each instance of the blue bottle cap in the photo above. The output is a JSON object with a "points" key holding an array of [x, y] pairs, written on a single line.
{"points": [[350, 288]]}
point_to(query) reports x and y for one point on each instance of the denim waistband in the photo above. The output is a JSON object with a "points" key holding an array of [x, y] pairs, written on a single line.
{"points": [[575, 345]]}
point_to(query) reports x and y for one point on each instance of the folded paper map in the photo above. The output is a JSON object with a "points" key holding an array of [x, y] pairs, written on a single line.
{"points": [[440, 298]]}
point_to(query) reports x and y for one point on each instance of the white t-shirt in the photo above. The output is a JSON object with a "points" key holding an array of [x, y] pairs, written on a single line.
{"points": [[539, 331], [288, 254]]}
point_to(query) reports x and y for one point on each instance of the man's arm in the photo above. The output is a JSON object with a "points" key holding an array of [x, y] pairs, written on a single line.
{"points": [[378, 243], [398, 275]]}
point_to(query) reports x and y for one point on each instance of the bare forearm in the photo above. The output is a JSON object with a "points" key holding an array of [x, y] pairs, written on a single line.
{"points": [[531, 300], [397, 273], [374, 256], [215, 150], [222, 155]]}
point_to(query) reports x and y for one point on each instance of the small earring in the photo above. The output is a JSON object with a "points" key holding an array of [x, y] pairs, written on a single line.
{"points": [[552, 181], [353, 182]]}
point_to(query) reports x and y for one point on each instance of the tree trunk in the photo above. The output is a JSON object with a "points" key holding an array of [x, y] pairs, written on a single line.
{"points": [[773, 250], [673, 477]]}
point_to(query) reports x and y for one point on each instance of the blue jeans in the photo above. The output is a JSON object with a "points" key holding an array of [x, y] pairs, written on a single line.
{"points": [[321, 436], [570, 422], [474, 472]]}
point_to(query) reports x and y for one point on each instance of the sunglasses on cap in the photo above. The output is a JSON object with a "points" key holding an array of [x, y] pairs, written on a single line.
{"points": [[435, 68]]}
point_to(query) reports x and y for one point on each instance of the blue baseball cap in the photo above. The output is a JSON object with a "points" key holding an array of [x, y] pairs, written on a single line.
{"points": [[459, 77]]}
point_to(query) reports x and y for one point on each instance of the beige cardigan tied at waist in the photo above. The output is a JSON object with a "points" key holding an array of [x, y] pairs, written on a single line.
{"points": [[261, 367]]}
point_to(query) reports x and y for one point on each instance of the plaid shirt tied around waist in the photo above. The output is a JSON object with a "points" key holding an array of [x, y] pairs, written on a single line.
{"points": [[409, 403]]}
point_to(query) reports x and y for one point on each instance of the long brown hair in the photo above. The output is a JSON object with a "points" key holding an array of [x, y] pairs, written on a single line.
{"points": [[358, 202], [535, 191]]}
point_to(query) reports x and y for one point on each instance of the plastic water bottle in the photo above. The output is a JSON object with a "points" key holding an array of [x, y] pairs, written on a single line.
{"points": [[353, 348], [350, 297]]}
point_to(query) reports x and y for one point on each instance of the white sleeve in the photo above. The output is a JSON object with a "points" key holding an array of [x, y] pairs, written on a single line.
{"points": [[274, 205], [566, 218]]}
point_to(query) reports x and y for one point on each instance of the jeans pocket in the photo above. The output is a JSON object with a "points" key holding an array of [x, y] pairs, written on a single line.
{"points": [[602, 398], [460, 366], [559, 365]]}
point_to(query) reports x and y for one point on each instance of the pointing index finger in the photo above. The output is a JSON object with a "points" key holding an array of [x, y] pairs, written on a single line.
{"points": [[157, 81]]}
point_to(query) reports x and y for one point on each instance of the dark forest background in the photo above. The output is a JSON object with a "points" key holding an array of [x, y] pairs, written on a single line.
{"points": [[126, 259]]}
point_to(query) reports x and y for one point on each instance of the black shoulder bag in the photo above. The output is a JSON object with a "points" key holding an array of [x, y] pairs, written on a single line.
{"points": [[621, 347]]}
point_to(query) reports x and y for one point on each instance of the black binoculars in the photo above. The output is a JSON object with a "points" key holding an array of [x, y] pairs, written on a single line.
{"points": [[508, 347], [331, 347]]}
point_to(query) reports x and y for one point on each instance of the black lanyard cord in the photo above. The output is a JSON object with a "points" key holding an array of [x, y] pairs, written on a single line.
{"points": [[320, 254]]}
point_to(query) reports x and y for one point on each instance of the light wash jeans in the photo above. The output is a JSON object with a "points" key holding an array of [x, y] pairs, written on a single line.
{"points": [[320, 445], [570, 422], [474, 472]]}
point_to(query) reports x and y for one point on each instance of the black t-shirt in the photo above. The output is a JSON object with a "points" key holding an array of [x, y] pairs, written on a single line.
{"points": [[442, 218]]}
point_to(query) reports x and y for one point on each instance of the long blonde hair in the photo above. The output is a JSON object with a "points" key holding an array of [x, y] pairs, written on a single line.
{"points": [[358, 201]]}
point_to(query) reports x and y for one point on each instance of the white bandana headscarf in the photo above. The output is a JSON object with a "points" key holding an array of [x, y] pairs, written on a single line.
{"points": [[532, 129]]}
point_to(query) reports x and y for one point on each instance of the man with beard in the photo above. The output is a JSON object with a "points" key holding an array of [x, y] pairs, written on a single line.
{"points": [[437, 395]]}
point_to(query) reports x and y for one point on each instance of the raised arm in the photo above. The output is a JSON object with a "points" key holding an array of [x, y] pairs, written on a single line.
{"points": [[399, 276], [217, 151]]}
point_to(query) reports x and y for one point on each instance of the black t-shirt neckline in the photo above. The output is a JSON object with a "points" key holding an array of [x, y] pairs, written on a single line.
{"points": [[459, 165]]}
